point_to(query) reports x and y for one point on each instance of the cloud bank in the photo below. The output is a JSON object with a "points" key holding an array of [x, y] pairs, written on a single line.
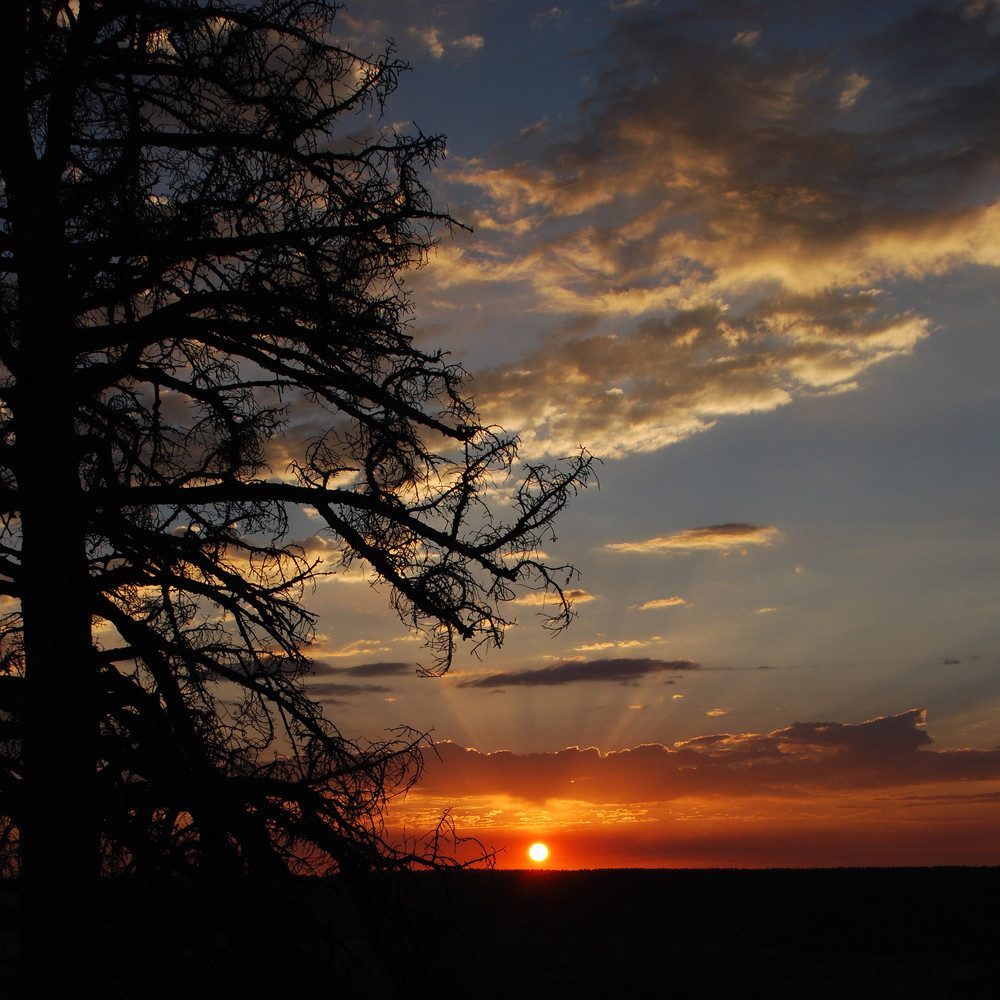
{"points": [[801, 760]]}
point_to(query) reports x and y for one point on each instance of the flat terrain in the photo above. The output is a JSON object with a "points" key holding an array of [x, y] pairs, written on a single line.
{"points": [[792, 934], [797, 934]]}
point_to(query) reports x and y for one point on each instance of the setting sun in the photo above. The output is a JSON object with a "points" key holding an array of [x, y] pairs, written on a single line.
{"points": [[538, 852]]}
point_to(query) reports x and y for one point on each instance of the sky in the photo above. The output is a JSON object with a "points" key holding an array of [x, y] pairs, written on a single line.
{"points": [[746, 254]]}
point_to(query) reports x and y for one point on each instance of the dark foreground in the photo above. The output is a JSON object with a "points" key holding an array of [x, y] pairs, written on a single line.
{"points": [[844, 933], [847, 933]]}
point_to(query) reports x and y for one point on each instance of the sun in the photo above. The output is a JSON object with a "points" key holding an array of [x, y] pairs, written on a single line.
{"points": [[538, 852]]}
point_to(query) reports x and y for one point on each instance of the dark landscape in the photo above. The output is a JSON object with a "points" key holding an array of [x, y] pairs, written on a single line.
{"points": [[719, 933], [789, 933]]}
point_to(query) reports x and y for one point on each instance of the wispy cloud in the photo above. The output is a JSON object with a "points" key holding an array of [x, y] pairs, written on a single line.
{"points": [[552, 14], [437, 44], [541, 599], [354, 648], [662, 602], [715, 538], [617, 644], [621, 671]]}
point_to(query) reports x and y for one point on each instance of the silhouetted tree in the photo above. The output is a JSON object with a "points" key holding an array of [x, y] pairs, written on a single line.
{"points": [[203, 229]]}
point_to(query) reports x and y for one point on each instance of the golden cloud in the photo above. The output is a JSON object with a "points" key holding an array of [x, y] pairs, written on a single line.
{"points": [[715, 538], [662, 602], [616, 644], [541, 598]]}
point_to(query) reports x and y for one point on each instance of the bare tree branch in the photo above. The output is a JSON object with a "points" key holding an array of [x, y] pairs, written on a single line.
{"points": [[202, 238]]}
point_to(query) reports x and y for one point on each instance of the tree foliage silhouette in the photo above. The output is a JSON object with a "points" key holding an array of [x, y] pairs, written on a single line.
{"points": [[204, 228]]}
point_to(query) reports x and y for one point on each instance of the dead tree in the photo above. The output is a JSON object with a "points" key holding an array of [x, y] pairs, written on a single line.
{"points": [[204, 229]]}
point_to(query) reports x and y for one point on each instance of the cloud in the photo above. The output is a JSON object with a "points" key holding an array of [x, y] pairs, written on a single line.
{"points": [[552, 14], [619, 671], [662, 602], [431, 39], [799, 761], [378, 670], [724, 227], [356, 647], [436, 45], [617, 644], [542, 598], [747, 38], [336, 692], [327, 690], [668, 378], [715, 538], [470, 43]]}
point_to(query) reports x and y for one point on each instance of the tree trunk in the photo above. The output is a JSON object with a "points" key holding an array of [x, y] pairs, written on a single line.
{"points": [[58, 826], [60, 853]]}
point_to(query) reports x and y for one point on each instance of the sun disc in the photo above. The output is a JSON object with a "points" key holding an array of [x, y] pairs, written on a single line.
{"points": [[538, 852]]}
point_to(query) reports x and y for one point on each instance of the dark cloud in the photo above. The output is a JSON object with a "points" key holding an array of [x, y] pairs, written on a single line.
{"points": [[330, 689], [335, 691], [379, 670], [621, 671], [819, 137], [799, 761], [955, 798], [321, 668], [879, 738]]}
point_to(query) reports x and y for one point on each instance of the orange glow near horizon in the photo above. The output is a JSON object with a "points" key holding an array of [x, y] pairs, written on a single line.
{"points": [[908, 828], [810, 795]]}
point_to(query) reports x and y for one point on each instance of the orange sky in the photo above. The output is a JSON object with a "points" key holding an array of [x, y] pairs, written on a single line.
{"points": [[807, 795], [747, 255]]}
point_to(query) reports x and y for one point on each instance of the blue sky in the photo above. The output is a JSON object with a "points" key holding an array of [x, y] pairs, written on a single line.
{"points": [[747, 254]]}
